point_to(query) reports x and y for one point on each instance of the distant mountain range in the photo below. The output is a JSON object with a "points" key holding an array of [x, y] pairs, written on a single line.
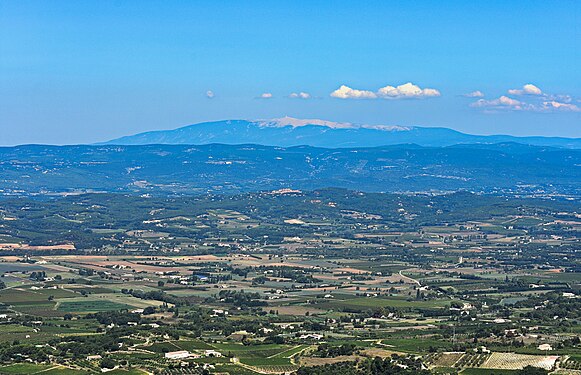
{"points": [[506, 168], [288, 132], [240, 156]]}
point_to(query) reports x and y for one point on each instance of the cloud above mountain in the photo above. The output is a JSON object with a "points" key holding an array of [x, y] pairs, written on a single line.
{"points": [[531, 99], [501, 103], [474, 94], [346, 92], [528, 89], [300, 95], [405, 91], [505, 103], [558, 106]]}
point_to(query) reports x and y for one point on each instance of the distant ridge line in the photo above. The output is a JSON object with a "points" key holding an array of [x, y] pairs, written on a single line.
{"points": [[288, 132]]}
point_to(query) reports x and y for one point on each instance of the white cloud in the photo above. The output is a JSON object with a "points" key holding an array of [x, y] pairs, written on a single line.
{"points": [[300, 95], [558, 106], [504, 103], [560, 98], [407, 90], [475, 94], [265, 95], [210, 94], [528, 89], [532, 99], [346, 92]]}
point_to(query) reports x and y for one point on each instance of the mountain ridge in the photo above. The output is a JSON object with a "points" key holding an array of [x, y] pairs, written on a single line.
{"points": [[289, 132]]}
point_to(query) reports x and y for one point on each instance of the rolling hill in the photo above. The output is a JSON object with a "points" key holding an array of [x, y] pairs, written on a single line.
{"points": [[185, 169]]}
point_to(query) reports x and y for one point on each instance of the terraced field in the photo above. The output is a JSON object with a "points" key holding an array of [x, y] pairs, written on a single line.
{"points": [[513, 361]]}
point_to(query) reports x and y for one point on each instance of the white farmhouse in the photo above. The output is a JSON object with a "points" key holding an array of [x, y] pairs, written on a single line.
{"points": [[177, 355]]}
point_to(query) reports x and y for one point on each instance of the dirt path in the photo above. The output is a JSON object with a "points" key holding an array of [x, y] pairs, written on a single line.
{"points": [[409, 279]]}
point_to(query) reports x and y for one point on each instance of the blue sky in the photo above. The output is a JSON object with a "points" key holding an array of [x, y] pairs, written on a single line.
{"points": [[87, 71]]}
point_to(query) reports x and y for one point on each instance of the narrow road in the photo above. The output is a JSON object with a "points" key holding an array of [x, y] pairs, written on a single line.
{"points": [[410, 279]]}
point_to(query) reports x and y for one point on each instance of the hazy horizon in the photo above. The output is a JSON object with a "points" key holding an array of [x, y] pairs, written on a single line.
{"points": [[105, 138]]}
